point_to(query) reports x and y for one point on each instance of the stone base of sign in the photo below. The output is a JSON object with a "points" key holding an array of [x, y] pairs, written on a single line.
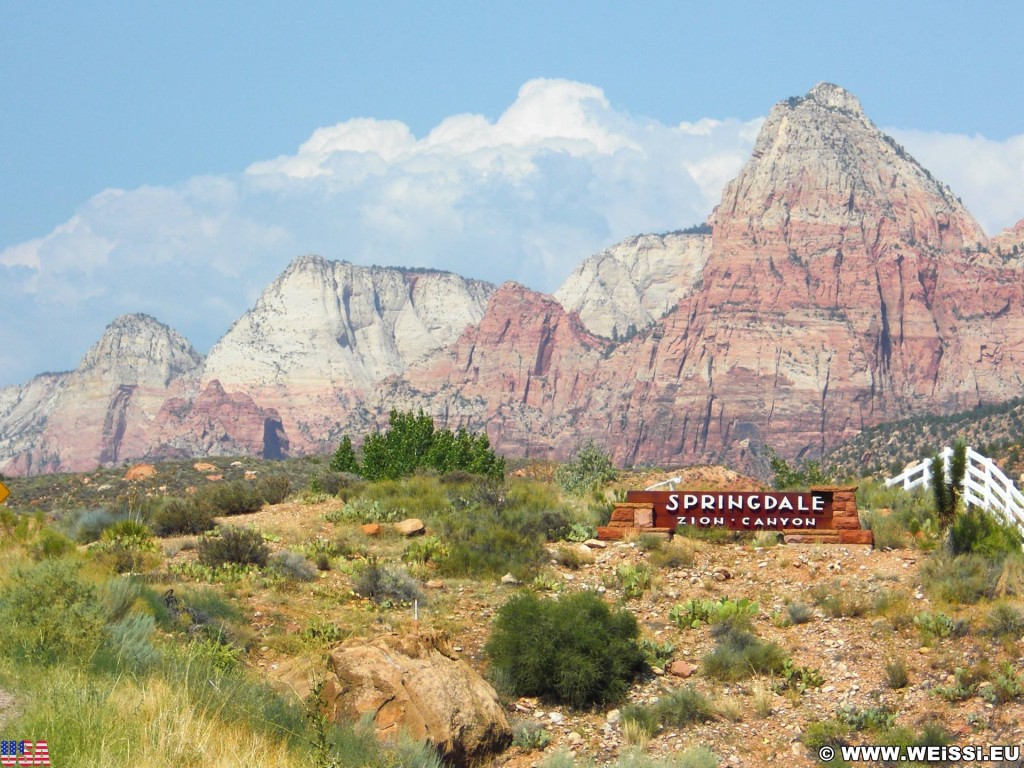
{"points": [[634, 518]]}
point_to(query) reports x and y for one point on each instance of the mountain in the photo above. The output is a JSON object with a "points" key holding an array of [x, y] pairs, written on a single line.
{"points": [[631, 285], [845, 287], [841, 286], [325, 333], [101, 412]]}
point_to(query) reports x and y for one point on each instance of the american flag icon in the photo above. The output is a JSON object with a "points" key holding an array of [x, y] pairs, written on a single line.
{"points": [[24, 753]]}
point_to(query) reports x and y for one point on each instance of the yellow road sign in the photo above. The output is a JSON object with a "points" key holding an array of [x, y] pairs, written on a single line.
{"points": [[4, 492]]}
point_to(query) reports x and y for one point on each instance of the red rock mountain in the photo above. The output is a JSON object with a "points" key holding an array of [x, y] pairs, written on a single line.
{"points": [[845, 287], [842, 286]]}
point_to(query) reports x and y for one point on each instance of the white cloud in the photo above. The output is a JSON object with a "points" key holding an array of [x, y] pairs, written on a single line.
{"points": [[988, 175], [526, 196]]}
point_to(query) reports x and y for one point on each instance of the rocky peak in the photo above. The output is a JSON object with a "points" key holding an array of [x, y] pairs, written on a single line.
{"points": [[820, 162], [833, 96], [138, 349]]}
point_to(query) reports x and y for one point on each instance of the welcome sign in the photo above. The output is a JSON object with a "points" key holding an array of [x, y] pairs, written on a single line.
{"points": [[738, 510]]}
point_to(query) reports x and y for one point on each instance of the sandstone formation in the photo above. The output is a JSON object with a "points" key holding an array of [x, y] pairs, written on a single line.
{"points": [[324, 333], [631, 285], [417, 684], [841, 286]]}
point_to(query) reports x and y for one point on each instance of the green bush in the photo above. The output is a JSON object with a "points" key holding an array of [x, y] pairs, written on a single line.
{"points": [[235, 498], [384, 584], [127, 546], [485, 541], [591, 468], [575, 650], [739, 654], [1005, 622], [244, 546], [274, 489], [87, 525], [799, 613], [685, 706], [51, 545], [960, 579], [977, 531], [292, 565], [177, 517], [896, 674], [48, 615]]}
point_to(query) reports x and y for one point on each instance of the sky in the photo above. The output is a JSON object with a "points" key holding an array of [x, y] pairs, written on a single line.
{"points": [[173, 158]]}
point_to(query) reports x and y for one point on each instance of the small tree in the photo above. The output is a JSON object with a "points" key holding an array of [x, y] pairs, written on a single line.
{"points": [[946, 486], [344, 459], [591, 468], [805, 474]]}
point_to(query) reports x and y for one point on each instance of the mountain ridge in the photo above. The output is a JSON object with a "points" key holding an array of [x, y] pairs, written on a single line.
{"points": [[841, 286]]}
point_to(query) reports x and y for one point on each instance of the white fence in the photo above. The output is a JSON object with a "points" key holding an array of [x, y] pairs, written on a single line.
{"points": [[984, 485]]}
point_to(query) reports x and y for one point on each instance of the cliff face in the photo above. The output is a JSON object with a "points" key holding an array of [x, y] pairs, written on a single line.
{"points": [[633, 284], [325, 333]]}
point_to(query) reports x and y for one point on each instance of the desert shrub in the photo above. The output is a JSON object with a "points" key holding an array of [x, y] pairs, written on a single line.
{"points": [[384, 584], [1005, 622], [837, 601], [48, 615], [292, 565], [127, 546], [896, 674], [1010, 582], [128, 643], [683, 707], [235, 498], [960, 579], [575, 650], [633, 580], [50, 545], [805, 474], [243, 546], [799, 613], [484, 541], [118, 595], [888, 531], [977, 531], [826, 733], [416, 496], [274, 489], [87, 525], [797, 678], [591, 468], [678, 554], [176, 517], [529, 736], [739, 654]]}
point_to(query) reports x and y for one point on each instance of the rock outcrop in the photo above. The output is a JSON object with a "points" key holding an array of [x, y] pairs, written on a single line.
{"points": [[633, 284], [417, 684]]}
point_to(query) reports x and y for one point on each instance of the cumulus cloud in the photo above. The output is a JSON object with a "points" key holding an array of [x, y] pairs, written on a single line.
{"points": [[525, 196], [988, 175]]}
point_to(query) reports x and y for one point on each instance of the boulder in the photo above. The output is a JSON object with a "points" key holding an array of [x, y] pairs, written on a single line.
{"points": [[417, 684], [410, 527], [370, 529], [204, 466], [140, 472]]}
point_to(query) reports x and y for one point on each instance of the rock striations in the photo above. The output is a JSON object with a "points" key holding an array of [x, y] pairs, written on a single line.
{"points": [[842, 286]]}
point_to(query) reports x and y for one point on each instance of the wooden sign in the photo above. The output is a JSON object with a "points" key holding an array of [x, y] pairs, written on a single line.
{"points": [[738, 510]]}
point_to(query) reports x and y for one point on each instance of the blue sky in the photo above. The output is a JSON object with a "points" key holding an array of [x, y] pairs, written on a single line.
{"points": [[150, 152]]}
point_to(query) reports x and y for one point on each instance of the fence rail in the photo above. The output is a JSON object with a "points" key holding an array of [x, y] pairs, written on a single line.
{"points": [[985, 485]]}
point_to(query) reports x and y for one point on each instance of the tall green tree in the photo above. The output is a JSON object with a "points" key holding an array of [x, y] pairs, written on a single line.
{"points": [[344, 459], [412, 442]]}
